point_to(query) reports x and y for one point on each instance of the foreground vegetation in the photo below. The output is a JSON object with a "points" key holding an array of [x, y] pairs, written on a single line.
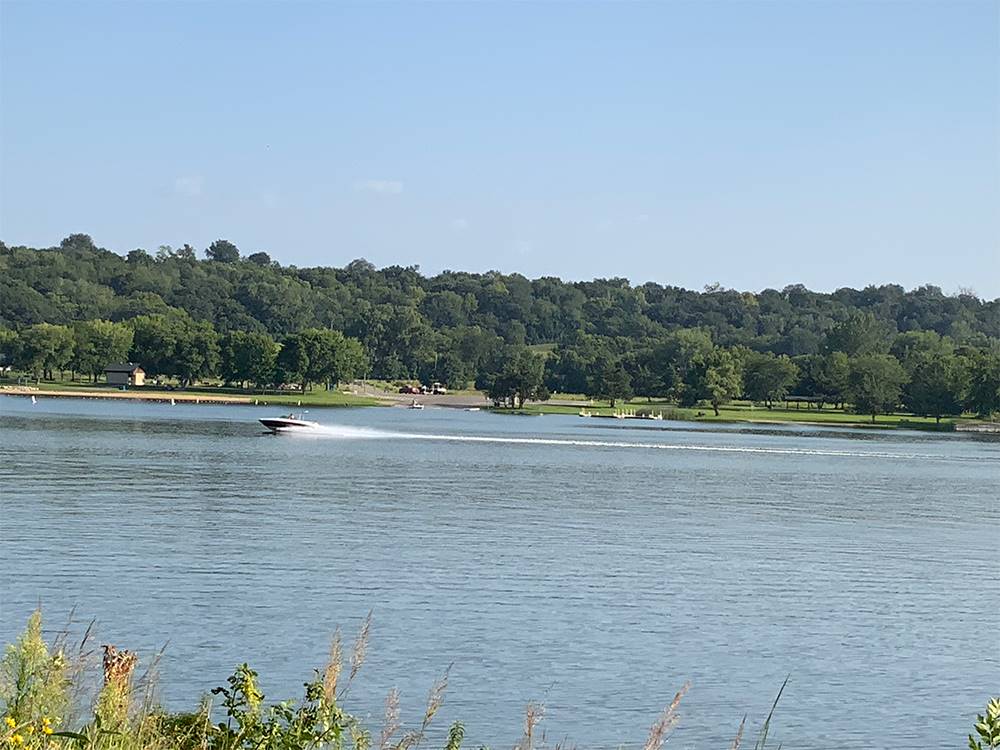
{"points": [[250, 322], [44, 705], [53, 697]]}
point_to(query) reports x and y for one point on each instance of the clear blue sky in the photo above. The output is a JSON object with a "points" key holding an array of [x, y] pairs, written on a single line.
{"points": [[753, 144]]}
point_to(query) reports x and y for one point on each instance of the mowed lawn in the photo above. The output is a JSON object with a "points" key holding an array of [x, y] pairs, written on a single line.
{"points": [[739, 411]]}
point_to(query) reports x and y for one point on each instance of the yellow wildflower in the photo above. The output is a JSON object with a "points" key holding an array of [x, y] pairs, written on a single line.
{"points": [[16, 739], [9, 721], [47, 729]]}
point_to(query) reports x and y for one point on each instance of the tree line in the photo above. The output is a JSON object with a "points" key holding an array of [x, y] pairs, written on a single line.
{"points": [[175, 346], [249, 320], [925, 373]]}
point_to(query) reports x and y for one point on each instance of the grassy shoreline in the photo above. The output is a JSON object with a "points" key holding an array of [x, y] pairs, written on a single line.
{"points": [[740, 412], [194, 395], [744, 413]]}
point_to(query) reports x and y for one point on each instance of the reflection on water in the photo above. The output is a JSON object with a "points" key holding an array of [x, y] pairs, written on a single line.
{"points": [[592, 566]]}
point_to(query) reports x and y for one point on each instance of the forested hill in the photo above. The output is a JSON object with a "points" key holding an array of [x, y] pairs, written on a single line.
{"points": [[79, 281], [456, 327]]}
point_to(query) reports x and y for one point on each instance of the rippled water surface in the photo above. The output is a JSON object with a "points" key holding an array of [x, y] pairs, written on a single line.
{"points": [[591, 565]]}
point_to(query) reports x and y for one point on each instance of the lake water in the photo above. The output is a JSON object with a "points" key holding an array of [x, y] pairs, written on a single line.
{"points": [[591, 565]]}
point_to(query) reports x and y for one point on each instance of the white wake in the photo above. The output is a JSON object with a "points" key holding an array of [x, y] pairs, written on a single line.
{"points": [[345, 432]]}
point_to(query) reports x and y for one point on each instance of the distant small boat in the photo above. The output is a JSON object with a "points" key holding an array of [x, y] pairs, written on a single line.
{"points": [[473, 408], [415, 405], [288, 423]]}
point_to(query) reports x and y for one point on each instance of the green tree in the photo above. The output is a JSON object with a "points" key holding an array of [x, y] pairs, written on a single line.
{"points": [[248, 357], [79, 242], [197, 352], [983, 395], [917, 345], [223, 251], [723, 378], [936, 385], [609, 380], [99, 343], [330, 357], [175, 345], [861, 333], [823, 377], [154, 342], [875, 383], [567, 368], [259, 259], [834, 377], [680, 361], [446, 309], [810, 372], [138, 257], [514, 377], [645, 380], [767, 378], [350, 360], [528, 373], [293, 362], [452, 370], [43, 348]]}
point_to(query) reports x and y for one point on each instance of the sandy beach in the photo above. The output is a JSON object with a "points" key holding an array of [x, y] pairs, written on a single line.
{"points": [[165, 396]]}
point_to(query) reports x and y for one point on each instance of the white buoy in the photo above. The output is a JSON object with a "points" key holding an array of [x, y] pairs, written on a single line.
{"points": [[173, 403], [33, 400]]}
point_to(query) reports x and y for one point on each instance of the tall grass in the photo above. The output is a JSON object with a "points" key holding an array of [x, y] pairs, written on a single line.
{"points": [[46, 704]]}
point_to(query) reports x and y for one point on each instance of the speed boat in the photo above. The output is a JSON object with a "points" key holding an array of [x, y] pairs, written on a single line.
{"points": [[288, 423], [415, 405]]}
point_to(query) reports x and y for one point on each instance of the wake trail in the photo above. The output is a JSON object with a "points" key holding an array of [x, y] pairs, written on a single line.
{"points": [[344, 432]]}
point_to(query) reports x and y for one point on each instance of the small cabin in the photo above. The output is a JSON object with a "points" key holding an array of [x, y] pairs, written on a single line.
{"points": [[125, 374]]}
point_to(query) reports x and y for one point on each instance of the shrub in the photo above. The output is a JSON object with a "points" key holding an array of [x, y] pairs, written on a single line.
{"points": [[987, 727], [34, 686]]}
